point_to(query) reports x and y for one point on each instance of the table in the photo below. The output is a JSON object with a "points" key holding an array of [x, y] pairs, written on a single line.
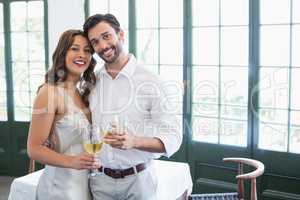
{"points": [[174, 182]]}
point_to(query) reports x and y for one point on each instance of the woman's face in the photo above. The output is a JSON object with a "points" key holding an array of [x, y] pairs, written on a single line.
{"points": [[78, 56]]}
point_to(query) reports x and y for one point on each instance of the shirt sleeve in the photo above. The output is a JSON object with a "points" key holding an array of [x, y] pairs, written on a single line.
{"points": [[163, 115]]}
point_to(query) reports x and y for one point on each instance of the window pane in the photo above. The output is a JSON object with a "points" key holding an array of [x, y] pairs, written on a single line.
{"points": [[205, 129], [219, 54], [273, 116], [20, 76], [18, 18], [240, 16], [173, 73], [296, 45], [234, 112], [3, 101], [3, 106], [159, 46], [36, 48], [295, 139], [152, 68], [37, 76], [2, 77], [28, 54], [274, 87], [19, 47], [1, 19], [35, 16], [233, 90], [96, 6], [171, 12], [272, 137], [206, 110], [296, 11], [205, 46], [295, 132], [120, 9], [2, 63], [22, 113], [295, 118], [147, 46], [173, 77], [171, 49], [205, 84], [234, 46], [148, 13], [21, 100], [274, 11], [205, 12], [274, 46], [295, 88], [233, 133]]}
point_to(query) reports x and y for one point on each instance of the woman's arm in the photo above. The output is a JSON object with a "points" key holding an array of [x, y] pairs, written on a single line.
{"points": [[44, 110]]}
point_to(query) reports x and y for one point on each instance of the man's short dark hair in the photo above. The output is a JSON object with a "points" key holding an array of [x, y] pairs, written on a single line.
{"points": [[93, 20]]}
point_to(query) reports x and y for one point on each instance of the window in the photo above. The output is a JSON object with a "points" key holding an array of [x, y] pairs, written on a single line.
{"points": [[225, 52], [27, 61], [279, 107], [156, 36], [117, 7], [3, 90], [160, 43], [220, 71]]}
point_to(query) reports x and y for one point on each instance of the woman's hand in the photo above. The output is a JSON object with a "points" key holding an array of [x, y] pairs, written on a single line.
{"points": [[84, 161]]}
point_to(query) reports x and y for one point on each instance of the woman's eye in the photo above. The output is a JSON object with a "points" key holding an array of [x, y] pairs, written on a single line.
{"points": [[74, 48]]}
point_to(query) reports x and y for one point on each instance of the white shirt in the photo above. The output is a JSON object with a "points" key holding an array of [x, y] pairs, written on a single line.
{"points": [[139, 99]]}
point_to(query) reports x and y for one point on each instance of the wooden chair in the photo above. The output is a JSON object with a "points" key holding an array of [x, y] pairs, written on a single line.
{"points": [[240, 194]]}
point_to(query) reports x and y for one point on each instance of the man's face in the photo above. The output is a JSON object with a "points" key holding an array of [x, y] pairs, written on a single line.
{"points": [[106, 42]]}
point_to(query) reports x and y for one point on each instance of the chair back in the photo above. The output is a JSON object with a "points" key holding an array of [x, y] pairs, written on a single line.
{"points": [[240, 194]]}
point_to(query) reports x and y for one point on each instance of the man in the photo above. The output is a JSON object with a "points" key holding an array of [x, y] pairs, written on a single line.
{"points": [[145, 127]]}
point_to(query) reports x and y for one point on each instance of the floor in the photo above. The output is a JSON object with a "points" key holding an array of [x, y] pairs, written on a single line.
{"points": [[5, 182]]}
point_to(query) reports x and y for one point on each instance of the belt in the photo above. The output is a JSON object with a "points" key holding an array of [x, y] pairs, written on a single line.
{"points": [[121, 173]]}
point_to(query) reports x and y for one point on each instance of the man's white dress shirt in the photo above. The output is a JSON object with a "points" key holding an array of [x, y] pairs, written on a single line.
{"points": [[140, 101]]}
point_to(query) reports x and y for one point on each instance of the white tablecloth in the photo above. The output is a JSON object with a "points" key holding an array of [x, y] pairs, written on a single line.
{"points": [[174, 179]]}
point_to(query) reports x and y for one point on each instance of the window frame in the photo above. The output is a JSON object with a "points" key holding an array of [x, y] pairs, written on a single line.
{"points": [[8, 52], [253, 71]]}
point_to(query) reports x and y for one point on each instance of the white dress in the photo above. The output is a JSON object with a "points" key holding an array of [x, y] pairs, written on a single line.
{"points": [[58, 183]]}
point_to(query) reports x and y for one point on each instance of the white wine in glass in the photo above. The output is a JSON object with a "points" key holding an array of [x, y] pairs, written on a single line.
{"points": [[92, 143], [93, 148]]}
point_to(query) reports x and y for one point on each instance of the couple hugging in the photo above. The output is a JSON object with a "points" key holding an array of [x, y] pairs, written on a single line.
{"points": [[73, 97]]}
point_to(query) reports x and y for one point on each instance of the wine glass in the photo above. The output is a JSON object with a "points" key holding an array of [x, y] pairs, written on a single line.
{"points": [[93, 142], [120, 122]]}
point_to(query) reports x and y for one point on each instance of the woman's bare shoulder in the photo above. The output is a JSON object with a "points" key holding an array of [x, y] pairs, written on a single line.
{"points": [[46, 98]]}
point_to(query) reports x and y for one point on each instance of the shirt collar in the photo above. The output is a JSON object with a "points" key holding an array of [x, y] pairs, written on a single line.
{"points": [[127, 70]]}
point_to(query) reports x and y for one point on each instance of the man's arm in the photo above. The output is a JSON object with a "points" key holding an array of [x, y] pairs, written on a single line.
{"points": [[165, 137], [127, 141]]}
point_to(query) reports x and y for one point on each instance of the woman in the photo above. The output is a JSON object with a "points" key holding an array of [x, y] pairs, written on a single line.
{"points": [[60, 115]]}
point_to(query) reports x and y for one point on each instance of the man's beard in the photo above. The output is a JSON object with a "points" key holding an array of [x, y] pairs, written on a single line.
{"points": [[116, 52]]}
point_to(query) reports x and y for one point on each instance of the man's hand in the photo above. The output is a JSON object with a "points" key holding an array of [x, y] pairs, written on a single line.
{"points": [[120, 140]]}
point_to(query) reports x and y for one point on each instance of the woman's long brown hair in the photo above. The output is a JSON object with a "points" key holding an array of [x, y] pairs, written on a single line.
{"points": [[58, 72]]}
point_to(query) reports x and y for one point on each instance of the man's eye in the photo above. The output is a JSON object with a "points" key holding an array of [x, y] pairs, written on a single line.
{"points": [[106, 36]]}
